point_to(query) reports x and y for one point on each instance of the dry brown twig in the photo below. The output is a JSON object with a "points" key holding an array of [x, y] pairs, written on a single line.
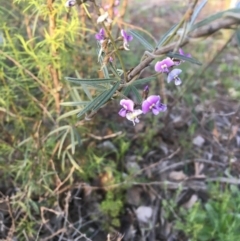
{"points": [[101, 138]]}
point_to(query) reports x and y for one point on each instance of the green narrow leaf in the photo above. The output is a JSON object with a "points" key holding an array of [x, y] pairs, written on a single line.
{"points": [[92, 104], [213, 18], [61, 143], [105, 72], [108, 95], [166, 35], [85, 89], [100, 87], [74, 163], [197, 11], [115, 71], [142, 40], [58, 130], [238, 36], [90, 81], [143, 81], [136, 93], [70, 113], [78, 137], [75, 94], [72, 141], [179, 56], [75, 103], [127, 90]]}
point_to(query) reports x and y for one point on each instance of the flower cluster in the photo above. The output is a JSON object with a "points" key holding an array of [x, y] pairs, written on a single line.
{"points": [[100, 36], [126, 38], [167, 64], [104, 42], [150, 104]]}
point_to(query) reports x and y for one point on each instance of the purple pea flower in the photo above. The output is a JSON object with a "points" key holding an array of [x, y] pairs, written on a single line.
{"points": [[179, 61], [101, 35], [126, 39], [162, 66], [183, 54], [70, 3], [152, 103], [133, 116], [128, 106], [145, 92], [173, 75]]}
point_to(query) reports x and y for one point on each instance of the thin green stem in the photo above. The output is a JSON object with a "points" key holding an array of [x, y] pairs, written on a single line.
{"points": [[113, 43]]}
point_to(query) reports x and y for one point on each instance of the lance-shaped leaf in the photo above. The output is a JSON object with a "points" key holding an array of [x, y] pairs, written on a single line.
{"points": [[73, 162], [61, 128], [166, 35], [143, 81], [105, 71], [238, 36], [75, 103], [107, 96], [185, 58], [62, 142], [213, 18], [73, 142], [90, 81], [197, 10], [78, 137], [84, 87], [142, 40], [136, 93], [70, 113], [127, 90], [92, 104]]}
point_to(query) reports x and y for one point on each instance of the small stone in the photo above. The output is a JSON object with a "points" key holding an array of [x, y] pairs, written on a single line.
{"points": [[198, 141]]}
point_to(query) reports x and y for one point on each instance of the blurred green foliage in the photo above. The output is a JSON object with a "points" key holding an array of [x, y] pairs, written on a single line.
{"points": [[218, 219]]}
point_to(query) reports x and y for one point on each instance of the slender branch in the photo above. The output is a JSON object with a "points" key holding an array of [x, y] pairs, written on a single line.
{"points": [[53, 70], [198, 33], [113, 43]]}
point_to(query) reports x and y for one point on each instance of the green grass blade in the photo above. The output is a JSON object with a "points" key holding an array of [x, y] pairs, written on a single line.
{"points": [[142, 40]]}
